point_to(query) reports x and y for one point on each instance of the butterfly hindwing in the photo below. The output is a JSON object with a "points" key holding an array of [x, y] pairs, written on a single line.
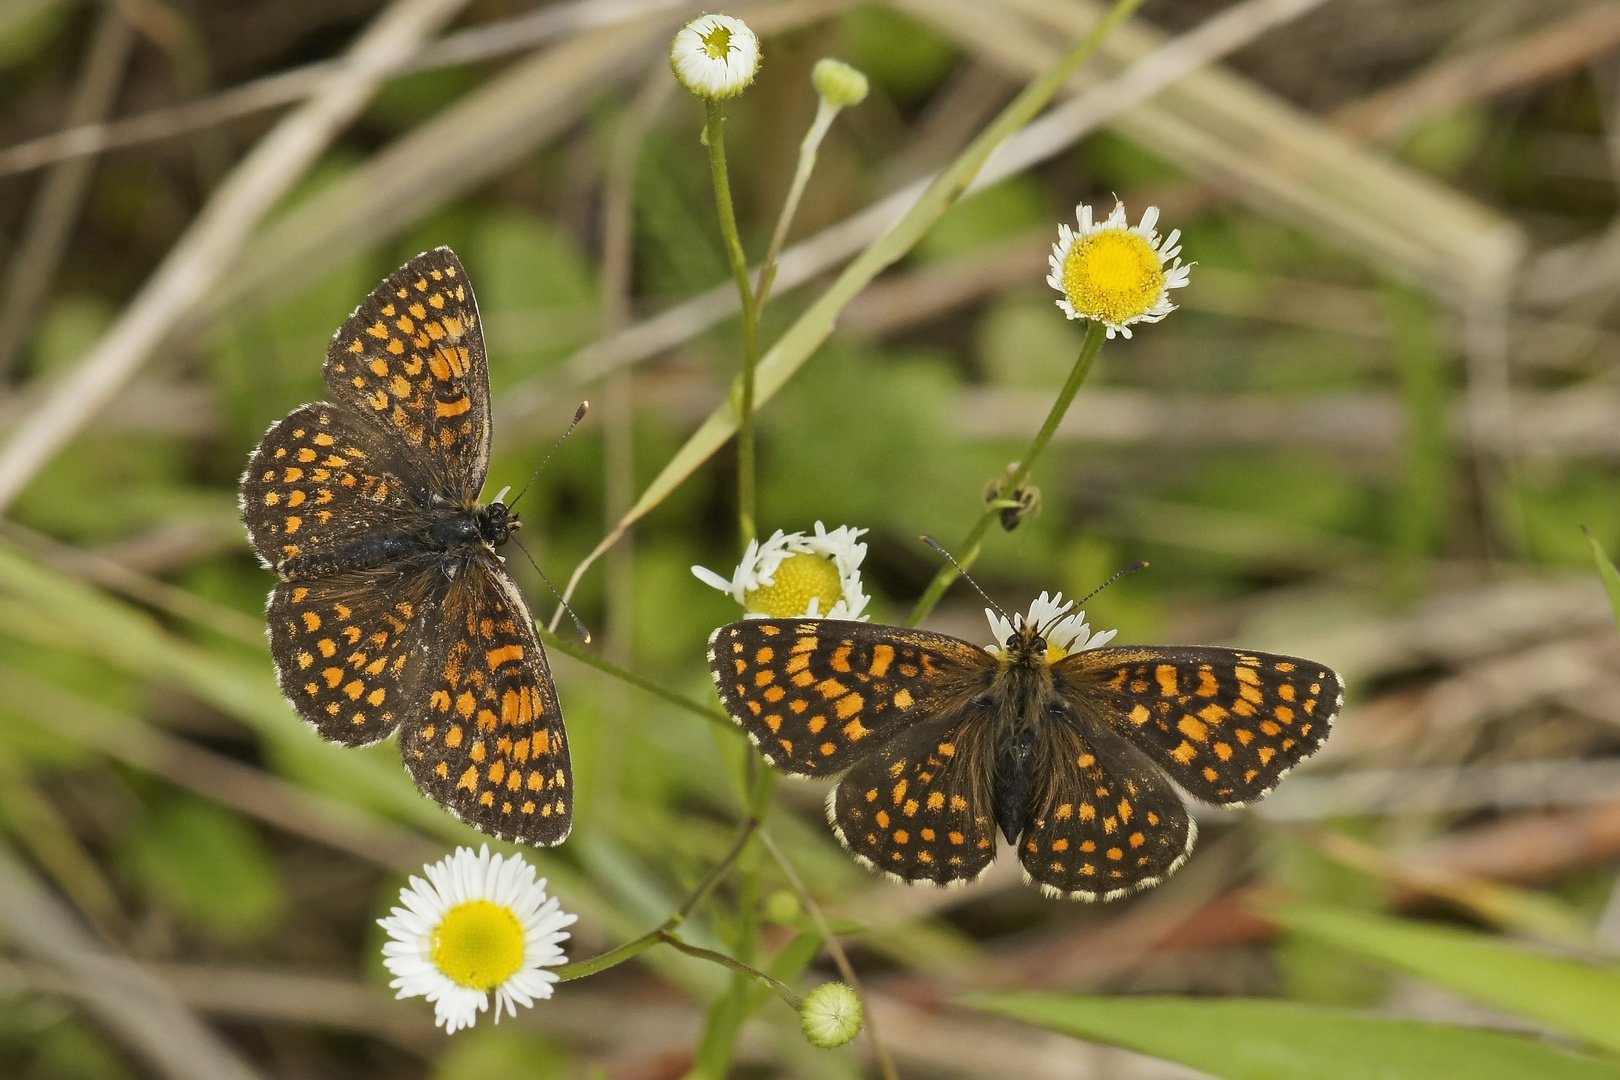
{"points": [[918, 807], [1224, 723], [816, 695], [1102, 821], [487, 741], [411, 359], [349, 648]]}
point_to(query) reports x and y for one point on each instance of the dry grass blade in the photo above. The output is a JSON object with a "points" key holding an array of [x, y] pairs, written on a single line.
{"points": [[144, 1013], [501, 38], [215, 239], [56, 206], [1041, 140], [1390, 114]]}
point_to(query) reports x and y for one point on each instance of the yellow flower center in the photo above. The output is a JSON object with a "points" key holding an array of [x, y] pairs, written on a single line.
{"points": [[798, 578], [479, 944], [1112, 276], [717, 42]]}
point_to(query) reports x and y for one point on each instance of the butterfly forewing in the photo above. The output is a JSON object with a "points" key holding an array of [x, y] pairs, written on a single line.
{"points": [[488, 740], [816, 695], [1103, 822], [322, 478], [1224, 723], [917, 807], [411, 358]]}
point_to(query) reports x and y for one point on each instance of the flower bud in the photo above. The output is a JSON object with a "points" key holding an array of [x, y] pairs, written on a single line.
{"points": [[838, 84], [831, 1015]]}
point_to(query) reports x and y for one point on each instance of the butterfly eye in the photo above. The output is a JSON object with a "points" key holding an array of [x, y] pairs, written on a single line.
{"points": [[1012, 642], [1037, 644], [1057, 708]]}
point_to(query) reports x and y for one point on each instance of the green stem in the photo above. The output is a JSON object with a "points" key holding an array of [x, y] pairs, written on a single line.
{"points": [[613, 957], [568, 648], [739, 270], [794, 1001], [808, 149], [969, 549]]}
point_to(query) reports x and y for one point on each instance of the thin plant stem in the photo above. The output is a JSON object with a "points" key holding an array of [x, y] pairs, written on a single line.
{"points": [[794, 1001], [808, 149], [630, 949], [880, 1051], [739, 268], [569, 648], [968, 551]]}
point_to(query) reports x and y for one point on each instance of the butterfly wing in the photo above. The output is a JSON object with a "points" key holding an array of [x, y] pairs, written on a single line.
{"points": [[816, 695], [1224, 723], [918, 806], [350, 648], [1103, 822], [487, 741], [321, 478], [411, 359]]}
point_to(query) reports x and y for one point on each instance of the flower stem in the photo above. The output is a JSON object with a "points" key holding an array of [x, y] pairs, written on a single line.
{"points": [[793, 1000], [613, 957], [970, 547], [750, 313], [808, 149]]}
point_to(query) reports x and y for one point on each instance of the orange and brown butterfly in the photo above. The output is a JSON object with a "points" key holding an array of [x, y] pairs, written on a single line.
{"points": [[393, 610], [1065, 744]]}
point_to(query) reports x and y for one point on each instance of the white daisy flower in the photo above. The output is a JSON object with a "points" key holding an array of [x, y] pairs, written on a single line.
{"points": [[1064, 633], [792, 576], [1116, 274], [715, 56], [479, 923]]}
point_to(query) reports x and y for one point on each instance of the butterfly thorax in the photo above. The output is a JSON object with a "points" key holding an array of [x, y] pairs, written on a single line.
{"points": [[453, 532], [1019, 695]]}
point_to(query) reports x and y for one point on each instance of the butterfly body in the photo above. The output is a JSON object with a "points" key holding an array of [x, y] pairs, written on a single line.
{"points": [[941, 744], [394, 610]]}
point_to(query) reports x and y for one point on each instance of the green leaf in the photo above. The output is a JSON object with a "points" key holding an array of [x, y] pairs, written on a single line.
{"points": [[1250, 1039], [1581, 999], [1611, 576]]}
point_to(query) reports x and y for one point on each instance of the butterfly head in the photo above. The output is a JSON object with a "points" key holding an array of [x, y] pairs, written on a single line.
{"points": [[496, 523]]}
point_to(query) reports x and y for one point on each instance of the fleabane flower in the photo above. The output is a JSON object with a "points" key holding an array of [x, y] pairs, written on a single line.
{"points": [[1064, 633], [479, 924], [715, 56], [794, 575], [1115, 273]]}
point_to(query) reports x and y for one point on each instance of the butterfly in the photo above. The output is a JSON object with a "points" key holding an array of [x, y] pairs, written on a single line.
{"points": [[394, 611], [1068, 751]]}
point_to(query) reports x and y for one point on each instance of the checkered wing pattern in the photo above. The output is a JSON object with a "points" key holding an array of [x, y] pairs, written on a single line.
{"points": [[1103, 822], [817, 695], [918, 807], [350, 649], [487, 738], [412, 359], [1225, 724], [321, 478]]}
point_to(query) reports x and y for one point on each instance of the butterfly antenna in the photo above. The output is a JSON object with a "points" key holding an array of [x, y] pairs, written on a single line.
{"points": [[584, 634], [937, 546], [1131, 569], [579, 414]]}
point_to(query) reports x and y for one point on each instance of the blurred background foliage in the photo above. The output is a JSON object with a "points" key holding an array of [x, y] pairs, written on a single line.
{"points": [[1312, 454]]}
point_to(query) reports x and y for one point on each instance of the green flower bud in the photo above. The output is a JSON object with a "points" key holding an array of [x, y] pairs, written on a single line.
{"points": [[839, 84], [831, 1015], [782, 906]]}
